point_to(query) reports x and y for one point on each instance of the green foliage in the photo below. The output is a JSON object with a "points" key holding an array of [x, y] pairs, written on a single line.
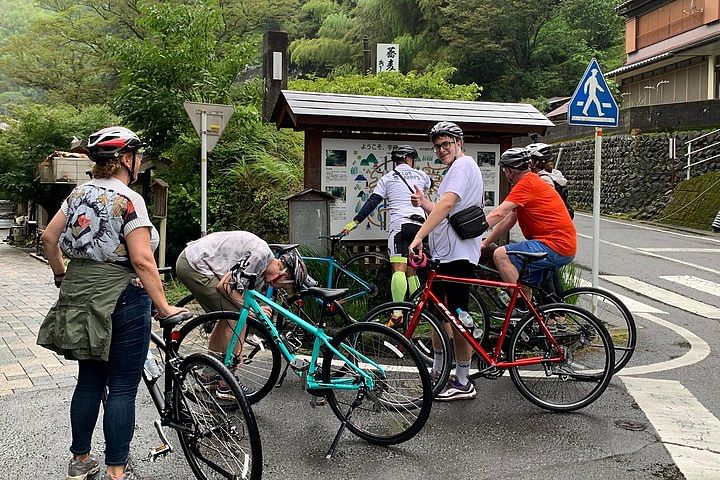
{"points": [[432, 84], [36, 132], [694, 202], [180, 58]]}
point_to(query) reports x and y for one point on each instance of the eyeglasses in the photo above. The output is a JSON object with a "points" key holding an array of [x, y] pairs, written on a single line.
{"points": [[442, 146]]}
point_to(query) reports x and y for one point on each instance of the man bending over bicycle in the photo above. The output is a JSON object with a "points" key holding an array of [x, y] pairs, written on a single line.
{"points": [[204, 267], [542, 216], [405, 219]]}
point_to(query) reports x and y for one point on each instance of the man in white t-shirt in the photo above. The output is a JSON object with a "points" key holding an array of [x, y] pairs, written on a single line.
{"points": [[462, 187], [405, 219]]}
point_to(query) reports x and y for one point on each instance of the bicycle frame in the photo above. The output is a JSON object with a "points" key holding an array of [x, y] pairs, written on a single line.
{"points": [[492, 359], [251, 303], [333, 265]]}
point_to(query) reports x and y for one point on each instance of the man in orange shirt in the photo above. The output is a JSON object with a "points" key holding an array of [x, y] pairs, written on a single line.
{"points": [[543, 219]]}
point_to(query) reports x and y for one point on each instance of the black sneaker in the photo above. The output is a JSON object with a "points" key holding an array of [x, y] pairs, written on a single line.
{"points": [[223, 391]]}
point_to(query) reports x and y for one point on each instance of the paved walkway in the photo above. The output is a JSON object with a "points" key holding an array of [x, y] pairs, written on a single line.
{"points": [[26, 294]]}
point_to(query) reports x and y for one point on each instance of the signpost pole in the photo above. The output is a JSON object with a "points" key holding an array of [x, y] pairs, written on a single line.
{"points": [[203, 175], [596, 206]]}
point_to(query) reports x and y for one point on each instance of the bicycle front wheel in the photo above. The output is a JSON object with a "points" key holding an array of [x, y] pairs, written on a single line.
{"points": [[367, 278], [428, 329], [220, 437], [256, 366], [392, 407], [613, 314], [587, 358]]}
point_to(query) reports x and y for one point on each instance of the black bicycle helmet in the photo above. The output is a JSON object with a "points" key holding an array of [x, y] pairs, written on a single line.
{"points": [[294, 263], [517, 158], [111, 142], [446, 128], [539, 152], [399, 153]]}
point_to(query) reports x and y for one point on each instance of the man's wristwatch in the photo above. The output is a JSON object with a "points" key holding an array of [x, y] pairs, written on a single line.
{"points": [[59, 278]]}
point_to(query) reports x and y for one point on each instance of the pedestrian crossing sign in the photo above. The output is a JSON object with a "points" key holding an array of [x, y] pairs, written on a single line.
{"points": [[592, 104]]}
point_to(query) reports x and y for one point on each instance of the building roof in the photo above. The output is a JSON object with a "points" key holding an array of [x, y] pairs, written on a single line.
{"points": [[641, 63], [560, 111], [342, 112]]}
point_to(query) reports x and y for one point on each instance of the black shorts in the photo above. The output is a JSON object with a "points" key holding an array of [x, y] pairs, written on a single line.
{"points": [[399, 241]]}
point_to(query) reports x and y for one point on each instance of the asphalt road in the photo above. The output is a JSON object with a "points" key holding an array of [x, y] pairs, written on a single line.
{"points": [[499, 434]]}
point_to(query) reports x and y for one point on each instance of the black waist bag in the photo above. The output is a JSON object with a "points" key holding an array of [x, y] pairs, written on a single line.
{"points": [[469, 222]]}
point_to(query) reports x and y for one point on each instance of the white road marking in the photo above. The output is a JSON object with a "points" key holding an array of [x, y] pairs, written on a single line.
{"points": [[651, 254], [665, 296], [653, 229], [633, 305], [687, 429], [669, 249], [699, 349], [705, 286]]}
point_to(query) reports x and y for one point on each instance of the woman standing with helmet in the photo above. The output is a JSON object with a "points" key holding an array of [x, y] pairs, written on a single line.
{"points": [[542, 164], [405, 219], [462, 187], [102, 317]]}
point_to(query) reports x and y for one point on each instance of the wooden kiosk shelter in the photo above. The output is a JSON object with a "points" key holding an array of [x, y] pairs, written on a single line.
{"points": [[347, 135]]}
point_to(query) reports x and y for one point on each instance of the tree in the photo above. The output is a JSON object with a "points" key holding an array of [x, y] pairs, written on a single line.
{"points": [[36, 131]]}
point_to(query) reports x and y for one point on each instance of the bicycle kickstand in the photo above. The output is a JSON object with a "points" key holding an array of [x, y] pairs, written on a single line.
{"points": [[282, 376], [164, 448], [356, 403]]}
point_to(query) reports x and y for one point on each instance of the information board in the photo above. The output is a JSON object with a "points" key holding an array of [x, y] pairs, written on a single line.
{"points": [[351, 169]]}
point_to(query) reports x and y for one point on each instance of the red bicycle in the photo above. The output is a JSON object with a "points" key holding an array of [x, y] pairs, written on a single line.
{"points": [[560, 357]]}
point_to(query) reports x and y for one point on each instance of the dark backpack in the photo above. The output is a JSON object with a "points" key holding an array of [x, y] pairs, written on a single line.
{"points": [[563, 192]]}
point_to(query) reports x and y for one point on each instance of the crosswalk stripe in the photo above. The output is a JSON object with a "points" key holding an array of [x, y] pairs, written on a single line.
{"points": [[687, 429], [697, 283], [633, 305], [665, 296]]}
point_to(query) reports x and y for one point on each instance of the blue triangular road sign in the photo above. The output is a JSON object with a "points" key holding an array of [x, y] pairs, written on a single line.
{"points": [[592, 104]]}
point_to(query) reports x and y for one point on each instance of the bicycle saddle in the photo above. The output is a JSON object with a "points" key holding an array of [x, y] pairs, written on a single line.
{"points": [[173, 320], [327, 294]]}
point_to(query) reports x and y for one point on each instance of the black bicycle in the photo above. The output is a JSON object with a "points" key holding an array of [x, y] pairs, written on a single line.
{"points": [[219, 437]]}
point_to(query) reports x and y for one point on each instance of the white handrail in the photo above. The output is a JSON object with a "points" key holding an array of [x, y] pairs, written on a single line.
{"points": [[690, 152], [702, 136]]}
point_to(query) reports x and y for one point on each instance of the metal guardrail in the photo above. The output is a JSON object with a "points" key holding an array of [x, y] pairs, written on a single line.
{"points": [[691, 152]]}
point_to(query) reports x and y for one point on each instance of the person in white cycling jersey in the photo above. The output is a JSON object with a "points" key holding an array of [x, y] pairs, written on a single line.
{"points": [[396, 187]]}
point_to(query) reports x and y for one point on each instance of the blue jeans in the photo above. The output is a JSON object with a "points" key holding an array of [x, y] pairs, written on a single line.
{"points": [[535, 270], [121, 374]]}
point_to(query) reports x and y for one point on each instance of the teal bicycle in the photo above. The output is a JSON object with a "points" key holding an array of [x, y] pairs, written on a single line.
{"points": [[372, 377]]}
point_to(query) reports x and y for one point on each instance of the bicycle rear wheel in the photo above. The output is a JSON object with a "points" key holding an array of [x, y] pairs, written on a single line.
{"points": [[189, 302], [396, 407], [258, 364], [220, 438], [374, 271], [587, 364], [613, 314], [420, 337]]}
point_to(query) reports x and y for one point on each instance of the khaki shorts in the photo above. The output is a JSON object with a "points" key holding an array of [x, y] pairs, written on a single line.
{"points": [[202, 287]]}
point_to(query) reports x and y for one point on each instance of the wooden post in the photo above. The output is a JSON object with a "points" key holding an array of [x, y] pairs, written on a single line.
{"points": [[275, 69]]}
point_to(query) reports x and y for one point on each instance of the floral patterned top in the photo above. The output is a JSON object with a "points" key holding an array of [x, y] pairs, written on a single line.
{"points": [[100, 214]]}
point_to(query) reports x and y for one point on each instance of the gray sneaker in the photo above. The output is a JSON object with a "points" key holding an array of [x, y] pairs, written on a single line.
{"points": [[79, 470]]}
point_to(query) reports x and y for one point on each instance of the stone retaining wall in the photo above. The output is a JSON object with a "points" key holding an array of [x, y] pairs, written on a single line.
{"points": [[637, 173]]}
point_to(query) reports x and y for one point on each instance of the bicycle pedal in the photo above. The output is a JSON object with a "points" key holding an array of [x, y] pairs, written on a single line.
{"points": [[158, 452], [318, 401], [299, 364]]}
